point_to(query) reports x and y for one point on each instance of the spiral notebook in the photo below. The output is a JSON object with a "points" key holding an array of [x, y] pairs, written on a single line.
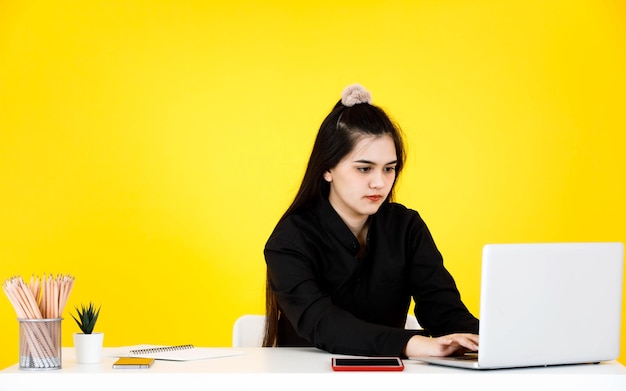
{"points": [[179, 352]]}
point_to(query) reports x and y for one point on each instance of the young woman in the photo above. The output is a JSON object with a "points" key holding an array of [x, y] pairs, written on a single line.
{"points": [[344, 261]]}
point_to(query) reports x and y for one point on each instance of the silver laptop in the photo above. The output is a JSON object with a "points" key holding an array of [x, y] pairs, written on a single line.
{"points": [[547, 304]]}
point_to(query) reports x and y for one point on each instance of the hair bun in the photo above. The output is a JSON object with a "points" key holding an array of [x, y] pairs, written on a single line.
{"points": [[355, 94]]}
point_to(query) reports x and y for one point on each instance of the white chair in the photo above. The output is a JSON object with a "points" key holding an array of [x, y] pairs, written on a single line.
{"points": [[248, 330], [412, 323]]}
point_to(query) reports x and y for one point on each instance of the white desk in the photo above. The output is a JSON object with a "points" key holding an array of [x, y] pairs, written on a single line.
{"points": [[303, 369]]}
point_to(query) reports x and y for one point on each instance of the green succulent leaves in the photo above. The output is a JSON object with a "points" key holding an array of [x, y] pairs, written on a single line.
{"points": [[87, 317]]}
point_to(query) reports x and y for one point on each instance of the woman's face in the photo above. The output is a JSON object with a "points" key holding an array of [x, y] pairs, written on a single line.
{"points": [[361, 181]]}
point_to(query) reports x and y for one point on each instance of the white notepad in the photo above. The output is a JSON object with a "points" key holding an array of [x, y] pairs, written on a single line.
{"points": [[176, 353]]}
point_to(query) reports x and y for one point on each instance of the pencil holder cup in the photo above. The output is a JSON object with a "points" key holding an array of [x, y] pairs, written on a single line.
{"points": [[40, 344]]}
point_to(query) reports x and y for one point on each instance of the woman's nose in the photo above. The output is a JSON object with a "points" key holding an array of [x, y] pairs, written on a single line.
{"points": [[377, 181]]}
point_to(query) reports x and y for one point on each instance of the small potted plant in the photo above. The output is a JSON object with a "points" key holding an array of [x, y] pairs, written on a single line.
{"points": [[88, 344]]}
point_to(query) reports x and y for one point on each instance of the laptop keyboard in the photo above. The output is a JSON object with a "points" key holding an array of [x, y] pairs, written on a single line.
{"points": [[467, 357]]}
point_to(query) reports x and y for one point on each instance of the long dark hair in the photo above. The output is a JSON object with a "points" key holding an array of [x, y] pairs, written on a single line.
{"points": [[337, 136]]}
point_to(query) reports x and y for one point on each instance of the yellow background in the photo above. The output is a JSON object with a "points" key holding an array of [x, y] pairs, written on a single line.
{"points": [[149, 147]]}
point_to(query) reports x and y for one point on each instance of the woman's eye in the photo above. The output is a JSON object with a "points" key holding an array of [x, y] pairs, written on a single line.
{"points": [[390, 169], [363, 169]]}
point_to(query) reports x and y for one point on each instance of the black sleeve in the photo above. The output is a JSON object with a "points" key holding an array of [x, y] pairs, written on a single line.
{"points": [[438, 305]]}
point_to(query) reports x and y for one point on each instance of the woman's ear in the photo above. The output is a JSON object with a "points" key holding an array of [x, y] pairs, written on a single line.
{"points": [[328, 177]]}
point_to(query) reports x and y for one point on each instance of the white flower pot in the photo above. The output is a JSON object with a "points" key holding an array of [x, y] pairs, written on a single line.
{"points": [[88, 347]]}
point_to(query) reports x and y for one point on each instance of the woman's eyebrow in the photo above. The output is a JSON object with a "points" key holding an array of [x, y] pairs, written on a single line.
{"points": [[365, 161]]}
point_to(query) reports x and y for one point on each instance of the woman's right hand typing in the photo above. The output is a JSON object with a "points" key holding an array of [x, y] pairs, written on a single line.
{"points": [[441, 346]]}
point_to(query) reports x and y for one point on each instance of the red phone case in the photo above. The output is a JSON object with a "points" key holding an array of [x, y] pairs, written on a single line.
{"points": [[366, 364]]}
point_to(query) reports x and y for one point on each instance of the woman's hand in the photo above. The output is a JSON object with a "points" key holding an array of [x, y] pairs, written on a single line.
{"points": [[441, 346]]}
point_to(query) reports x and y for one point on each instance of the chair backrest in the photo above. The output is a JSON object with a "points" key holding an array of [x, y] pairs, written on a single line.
{"points": [[248, 330], [412, 323]]}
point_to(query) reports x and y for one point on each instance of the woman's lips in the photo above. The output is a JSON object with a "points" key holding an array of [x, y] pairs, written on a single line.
{"points": [[374, 198]]}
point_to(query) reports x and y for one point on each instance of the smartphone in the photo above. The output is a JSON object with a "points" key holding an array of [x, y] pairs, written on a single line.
{"points": [[133, 363], [367, 364]]}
